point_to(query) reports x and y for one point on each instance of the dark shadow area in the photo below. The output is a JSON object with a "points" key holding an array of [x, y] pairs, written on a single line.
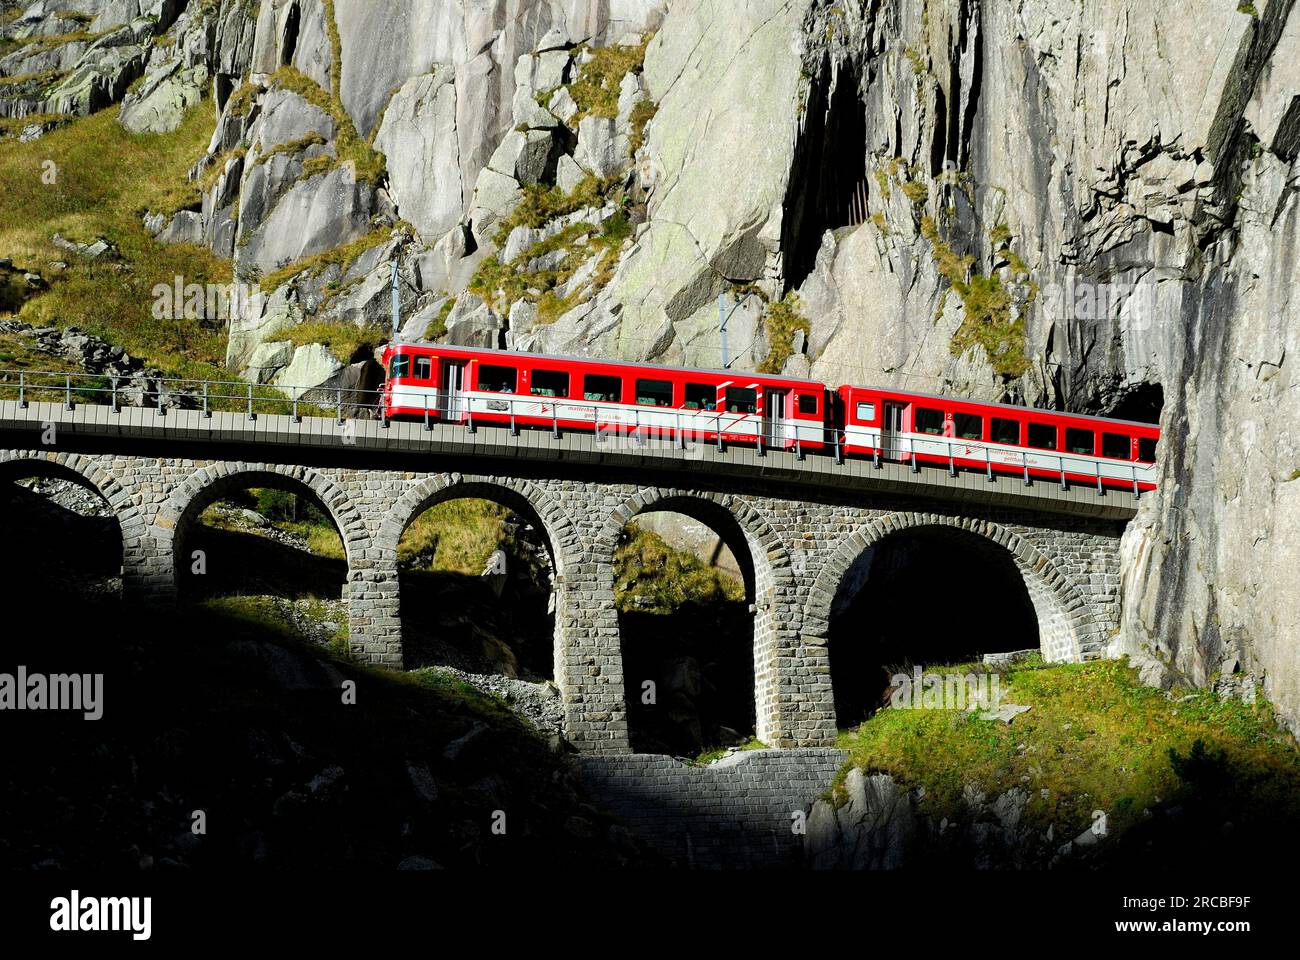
{"points": [[686, 631], [701, 661], [456, 620], [245, 563], [926, 597], [62, 538], [258, 541], [207, 712], [829, 163]]}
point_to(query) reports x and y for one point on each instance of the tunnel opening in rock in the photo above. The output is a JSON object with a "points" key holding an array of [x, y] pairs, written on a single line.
{"points": [[926, 597], [1143, 403], [477, 589], [683, 585], [265, 549], [829, 166], [62, 539]]}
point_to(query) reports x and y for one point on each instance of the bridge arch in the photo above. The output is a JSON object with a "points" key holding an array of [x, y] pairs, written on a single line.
{"points": [[187, 500], [767, 570], [209, 483], [89, 473], [526, 498], [1067, 631]]}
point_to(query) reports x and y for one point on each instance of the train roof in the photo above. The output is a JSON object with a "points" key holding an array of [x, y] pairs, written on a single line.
{"points": [[643, 364], [1008, 406]]}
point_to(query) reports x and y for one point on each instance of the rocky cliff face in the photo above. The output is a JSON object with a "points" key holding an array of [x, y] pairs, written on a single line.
{"points": [[1082, 204]]}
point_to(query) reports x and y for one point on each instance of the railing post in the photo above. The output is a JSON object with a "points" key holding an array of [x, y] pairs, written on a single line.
{"points": [[338, 405], [251, 414], [952, 464], [839, 447], [113, 401], [681, 439], [427, 426], [1137, 493], [1024, 459], [296, 417], [514, 427], [1100, 491], [988, 464], [555, 421], [68, 393], [1061, 461], [916, 463], [717, 422], [22, 401]]}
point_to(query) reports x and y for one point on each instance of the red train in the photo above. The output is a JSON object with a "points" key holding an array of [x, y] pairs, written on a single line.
{"points": [[459, 384]]}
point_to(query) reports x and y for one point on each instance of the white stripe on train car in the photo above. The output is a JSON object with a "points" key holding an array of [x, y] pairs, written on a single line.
{"points": [[613, 414], [1004, 455]]}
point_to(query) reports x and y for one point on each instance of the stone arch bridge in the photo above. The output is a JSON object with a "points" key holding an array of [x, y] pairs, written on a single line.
{"points": [[795, 525]]}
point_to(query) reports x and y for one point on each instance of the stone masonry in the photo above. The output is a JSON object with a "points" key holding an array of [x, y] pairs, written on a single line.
{"points": [[795, 544], [741, 812]]}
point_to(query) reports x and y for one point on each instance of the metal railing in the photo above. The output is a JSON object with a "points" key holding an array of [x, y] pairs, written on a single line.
{"points": [[638, 425]]}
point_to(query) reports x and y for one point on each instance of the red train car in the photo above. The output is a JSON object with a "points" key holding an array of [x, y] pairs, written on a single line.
{"points": [[465, 384], [999, 438], [456, 384]]}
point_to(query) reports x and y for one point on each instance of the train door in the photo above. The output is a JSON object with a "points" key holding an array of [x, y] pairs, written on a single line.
{"points": [[451, 390], [892, 444], [774, 402]]}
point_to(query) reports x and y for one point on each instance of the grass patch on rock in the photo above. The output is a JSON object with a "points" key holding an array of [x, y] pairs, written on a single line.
{"points": [[782, 321], [1094, 738], [92, 178], [652, 577]]}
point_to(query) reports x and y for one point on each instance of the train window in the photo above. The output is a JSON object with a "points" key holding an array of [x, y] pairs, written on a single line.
{"points": [[400, 367], [550, 383], [807, 403], [929, 421], [1080, 441], [654, 393], [602, 389], [867, 411], [1042, 436], [493, 379], [701, 396], [1004, 431], [742, 400], [1117, 446], [969, 426], [1146, 450], [423, 368]]}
